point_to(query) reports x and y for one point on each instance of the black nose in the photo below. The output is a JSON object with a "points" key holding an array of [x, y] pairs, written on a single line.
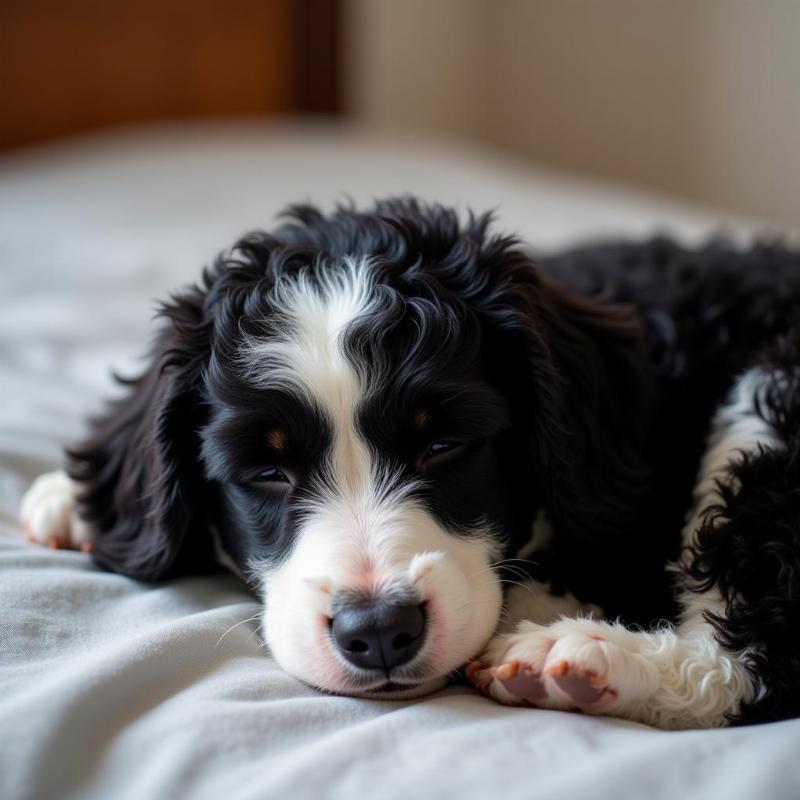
{"points": [[379, 635]]}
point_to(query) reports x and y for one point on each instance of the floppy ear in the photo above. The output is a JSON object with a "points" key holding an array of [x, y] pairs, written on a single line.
{"points": [[138, 473], [579, 376]]}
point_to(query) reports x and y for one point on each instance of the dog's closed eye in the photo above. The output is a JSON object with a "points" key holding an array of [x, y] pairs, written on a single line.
{"points": [[440, 451], [271, 477], [439, 447], [272, 474]]}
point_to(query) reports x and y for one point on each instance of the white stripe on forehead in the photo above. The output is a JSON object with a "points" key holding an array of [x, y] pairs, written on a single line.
{"points": [[302, 351]]}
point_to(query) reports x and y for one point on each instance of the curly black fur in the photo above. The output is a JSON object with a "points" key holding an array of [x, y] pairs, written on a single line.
{"points": [[749, 548]]}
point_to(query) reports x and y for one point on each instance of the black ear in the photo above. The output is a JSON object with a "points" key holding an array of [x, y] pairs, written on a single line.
{"points": [[138, 473], [591, 430], [578, 373]]}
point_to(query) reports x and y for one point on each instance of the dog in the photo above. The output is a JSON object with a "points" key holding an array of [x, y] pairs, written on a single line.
{"points": [[574, 476]]}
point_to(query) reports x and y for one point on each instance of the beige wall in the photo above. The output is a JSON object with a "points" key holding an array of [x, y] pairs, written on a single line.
{"points": [[417, 64], [694, 97]]}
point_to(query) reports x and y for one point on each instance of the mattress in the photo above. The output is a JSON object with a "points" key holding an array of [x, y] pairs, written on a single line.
{"points": [[112, 689]]}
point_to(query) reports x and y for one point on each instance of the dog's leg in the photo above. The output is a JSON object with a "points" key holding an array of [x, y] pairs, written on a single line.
{"points": [[533, 601], [670, 678], [48, 515]]}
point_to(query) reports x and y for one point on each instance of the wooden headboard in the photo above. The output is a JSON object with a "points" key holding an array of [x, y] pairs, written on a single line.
{"points": [[77, 65]]}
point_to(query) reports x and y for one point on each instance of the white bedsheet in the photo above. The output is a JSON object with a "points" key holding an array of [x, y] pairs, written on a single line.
{"points": [[109, 689]]}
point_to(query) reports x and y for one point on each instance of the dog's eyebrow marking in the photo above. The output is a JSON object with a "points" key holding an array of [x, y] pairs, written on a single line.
{"points": [[421, 419], [276, 439]]}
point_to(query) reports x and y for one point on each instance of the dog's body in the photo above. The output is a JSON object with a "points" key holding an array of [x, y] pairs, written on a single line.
{"points": [[377, 419]]}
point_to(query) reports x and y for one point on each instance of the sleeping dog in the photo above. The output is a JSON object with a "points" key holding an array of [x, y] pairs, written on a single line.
{"points": [[576, 475]]}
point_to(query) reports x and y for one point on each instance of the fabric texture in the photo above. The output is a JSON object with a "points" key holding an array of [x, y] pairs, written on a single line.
{"points": [[111, 689]]}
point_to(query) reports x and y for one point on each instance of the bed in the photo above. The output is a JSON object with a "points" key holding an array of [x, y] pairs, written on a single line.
{"points": [[112, 689]]}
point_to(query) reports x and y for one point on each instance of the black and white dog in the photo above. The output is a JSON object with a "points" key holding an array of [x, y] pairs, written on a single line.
{"points": [[578, 475]]}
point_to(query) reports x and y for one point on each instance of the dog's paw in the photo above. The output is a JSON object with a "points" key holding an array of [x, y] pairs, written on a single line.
{"points": [[576, 664], [48, 515]]}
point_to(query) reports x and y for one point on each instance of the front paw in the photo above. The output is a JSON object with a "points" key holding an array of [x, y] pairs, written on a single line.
{"points": [[48, 515], [577, 664]]}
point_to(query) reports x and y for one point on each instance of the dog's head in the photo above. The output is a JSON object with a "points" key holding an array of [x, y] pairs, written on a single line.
{"points": [[362, 413]]}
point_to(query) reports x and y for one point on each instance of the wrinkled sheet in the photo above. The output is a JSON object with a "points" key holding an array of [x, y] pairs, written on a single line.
{"points": [[110, 689]]}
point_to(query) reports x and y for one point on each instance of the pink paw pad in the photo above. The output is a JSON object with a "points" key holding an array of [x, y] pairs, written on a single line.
{"points": [[523, 683], [517, 679], [584, 688]]}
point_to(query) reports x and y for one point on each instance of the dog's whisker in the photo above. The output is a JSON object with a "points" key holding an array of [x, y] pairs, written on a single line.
{"points": [[236, 625]]}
